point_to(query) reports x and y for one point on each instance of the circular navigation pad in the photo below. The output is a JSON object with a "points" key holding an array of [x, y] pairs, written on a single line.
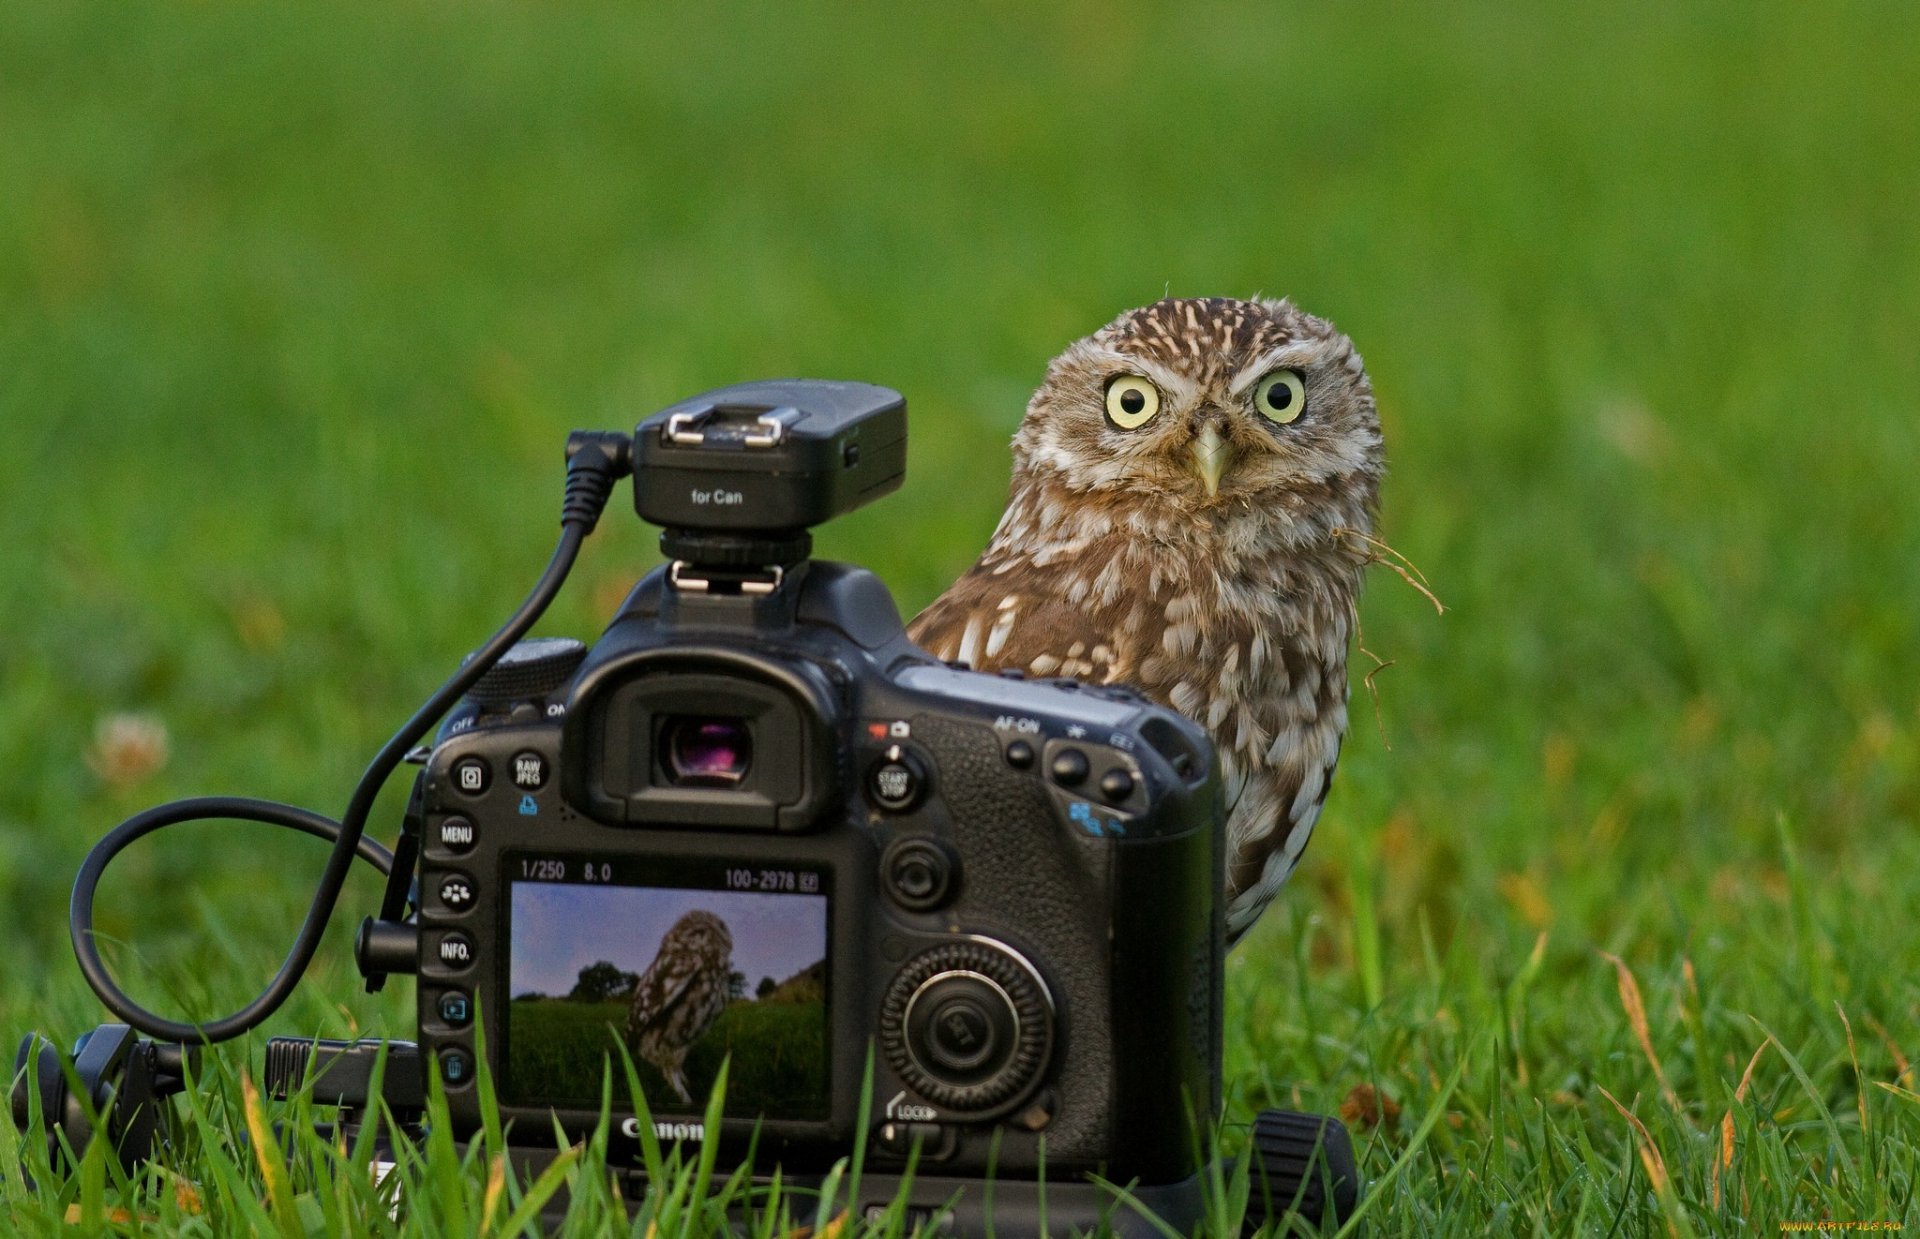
{"points": [[968, 1025]]}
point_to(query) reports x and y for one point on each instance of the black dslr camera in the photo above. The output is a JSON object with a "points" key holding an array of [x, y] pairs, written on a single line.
{"points": [[754, 823]]}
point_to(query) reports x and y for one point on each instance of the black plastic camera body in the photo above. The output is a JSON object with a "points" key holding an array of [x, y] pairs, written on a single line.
{"points": [[1006, 889]]}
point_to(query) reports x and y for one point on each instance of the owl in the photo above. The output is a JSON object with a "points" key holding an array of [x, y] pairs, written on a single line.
{"points": [[681, 994], [1193, 498]]}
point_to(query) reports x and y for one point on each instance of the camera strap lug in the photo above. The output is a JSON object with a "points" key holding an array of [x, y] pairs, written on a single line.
{"points": [[763, 581]]}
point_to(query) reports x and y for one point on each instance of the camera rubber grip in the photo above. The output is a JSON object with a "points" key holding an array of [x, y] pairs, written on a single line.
{"points": [[1046, 891]]}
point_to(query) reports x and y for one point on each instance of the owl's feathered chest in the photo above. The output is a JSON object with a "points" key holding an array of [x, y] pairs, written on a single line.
{"points": [[1237, 618]]}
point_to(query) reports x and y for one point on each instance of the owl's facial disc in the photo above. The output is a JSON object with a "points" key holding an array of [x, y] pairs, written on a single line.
{"points": [[1212, 454]]}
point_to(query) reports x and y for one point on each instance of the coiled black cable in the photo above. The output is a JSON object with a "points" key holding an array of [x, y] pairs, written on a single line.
{"points": [[594, 463]]}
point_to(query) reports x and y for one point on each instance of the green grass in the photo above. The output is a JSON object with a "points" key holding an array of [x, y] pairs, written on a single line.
{"points": [[297, 306], [777, 1053]]}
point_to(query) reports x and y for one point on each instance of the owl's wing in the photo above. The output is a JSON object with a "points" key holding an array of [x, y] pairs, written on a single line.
{"points": [[995, 620], [662, 986], [1267, 839]]}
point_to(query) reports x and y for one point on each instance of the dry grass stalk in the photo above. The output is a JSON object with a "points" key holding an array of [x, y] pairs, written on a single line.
{"points": [[1902, 1068], [1853, 1056], [1649, 1153], [1725, 1161], [1637, 1018], [1379, 665], [1378, 552], [496, 1191]]}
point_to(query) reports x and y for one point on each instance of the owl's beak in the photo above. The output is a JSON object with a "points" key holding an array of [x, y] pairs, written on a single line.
{"points": [[1211, 457]]}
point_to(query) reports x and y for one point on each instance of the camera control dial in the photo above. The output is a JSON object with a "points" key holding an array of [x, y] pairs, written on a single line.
{"points": [[969, 1026], [528, 672]]}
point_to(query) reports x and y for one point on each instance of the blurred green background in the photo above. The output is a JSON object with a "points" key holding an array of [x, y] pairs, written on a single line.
{"points": [[297, 306]]}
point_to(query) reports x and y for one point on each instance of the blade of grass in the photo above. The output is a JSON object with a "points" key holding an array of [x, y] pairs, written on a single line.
{"points": [[272, 1162], [1433, 1116]]}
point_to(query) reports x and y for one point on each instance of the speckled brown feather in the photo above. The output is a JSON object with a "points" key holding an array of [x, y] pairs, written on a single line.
{"points": [[1113, 562], [680, 995]]}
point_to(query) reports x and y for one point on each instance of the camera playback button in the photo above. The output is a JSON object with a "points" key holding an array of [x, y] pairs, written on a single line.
{"points": [[456, 1008], [897, 781]]}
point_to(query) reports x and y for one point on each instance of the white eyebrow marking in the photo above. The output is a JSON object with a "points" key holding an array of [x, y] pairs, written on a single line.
{"points": [[1296, 353], [1170, 382]]}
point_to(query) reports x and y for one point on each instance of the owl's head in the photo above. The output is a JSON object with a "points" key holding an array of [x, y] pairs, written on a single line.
{"points": [[703, 934], [1208, 403]]}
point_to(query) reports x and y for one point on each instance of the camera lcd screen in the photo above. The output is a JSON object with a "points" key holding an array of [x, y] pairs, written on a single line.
{"points": [[684, 963]]}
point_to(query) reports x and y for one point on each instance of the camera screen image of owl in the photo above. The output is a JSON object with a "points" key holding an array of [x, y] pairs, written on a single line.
{"points": [[680, 963]]}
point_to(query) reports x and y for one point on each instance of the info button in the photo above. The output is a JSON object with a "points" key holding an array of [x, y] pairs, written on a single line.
{"points": [[456, 951]]}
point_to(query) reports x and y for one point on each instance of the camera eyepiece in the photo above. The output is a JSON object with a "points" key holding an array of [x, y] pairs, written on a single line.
{"points": [[706, 752]]}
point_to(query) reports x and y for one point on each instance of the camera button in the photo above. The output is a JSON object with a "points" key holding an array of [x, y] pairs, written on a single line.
{"points": [[471, 775], [1020, 755], [529, 771], [456, 1008], [456, 892], [1116, 784], [1070, 767], [897, 1139], [919, 874], [455, 951], [897, 780], [458, 835], [962, 1034], [456, 1066]]}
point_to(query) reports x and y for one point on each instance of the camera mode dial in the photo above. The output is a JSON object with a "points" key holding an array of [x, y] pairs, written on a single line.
{"points": [[969, 1026], [529, 671]]}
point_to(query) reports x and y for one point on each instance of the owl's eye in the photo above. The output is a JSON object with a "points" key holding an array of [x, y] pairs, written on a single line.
{"points": [[1131, 401], [1281, 396]]}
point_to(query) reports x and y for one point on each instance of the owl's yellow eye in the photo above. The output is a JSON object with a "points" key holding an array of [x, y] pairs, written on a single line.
{"points": [[1281, 396], [1131, 401]]}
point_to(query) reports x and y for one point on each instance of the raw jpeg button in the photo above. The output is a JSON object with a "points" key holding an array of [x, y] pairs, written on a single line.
{"points": [[529, 771]]}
